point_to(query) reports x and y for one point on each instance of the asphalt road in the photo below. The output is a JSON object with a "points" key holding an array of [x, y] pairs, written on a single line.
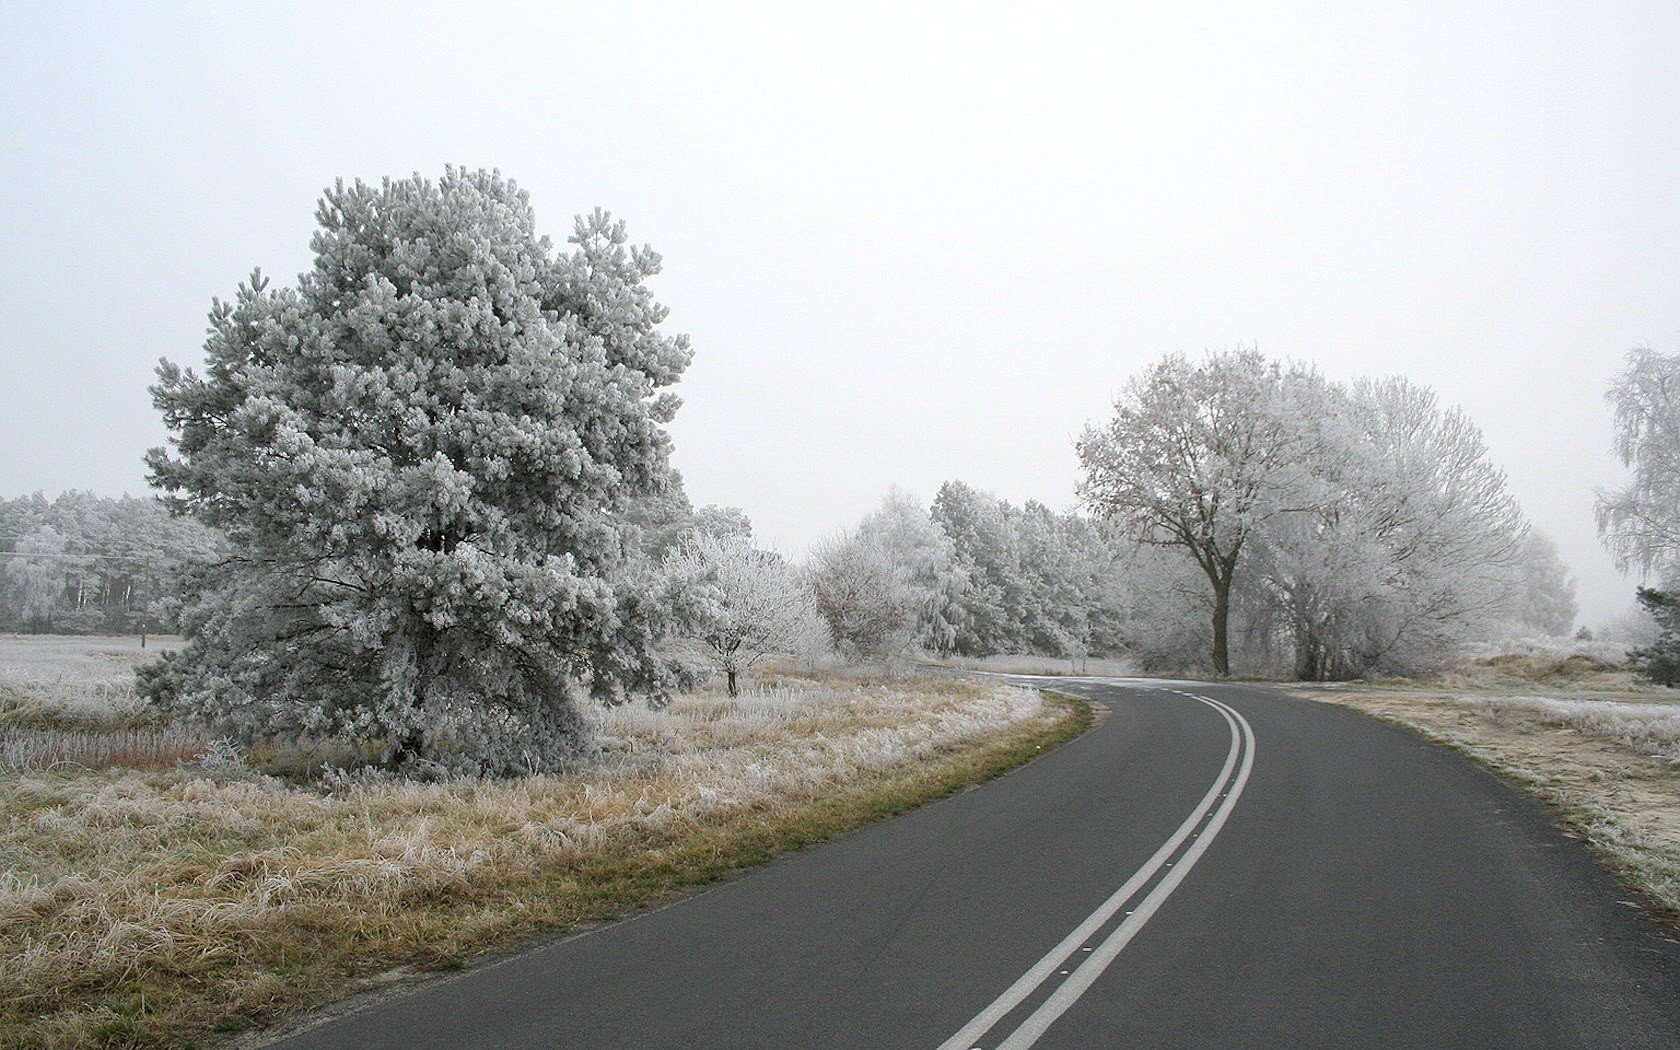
{"points": [[1214, 866]]}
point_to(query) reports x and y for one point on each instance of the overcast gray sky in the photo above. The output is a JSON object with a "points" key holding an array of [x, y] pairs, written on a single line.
{"points": [[910, 243]]}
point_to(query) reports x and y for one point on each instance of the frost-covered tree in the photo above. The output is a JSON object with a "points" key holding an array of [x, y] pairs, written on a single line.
{"points": [[1198, 456], [925, 561], [865, 601], [1640, 523], [664, 520], [1342, 529], [985, 615], [422, 456], [743, 604], [1163, 610], [1403, 546], [1035, 581], [37, 576], [1659, 660], [1544, 602], [115, 563]]}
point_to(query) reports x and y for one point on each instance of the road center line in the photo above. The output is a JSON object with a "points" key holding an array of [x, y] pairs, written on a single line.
{"points": [[1224, 793]]}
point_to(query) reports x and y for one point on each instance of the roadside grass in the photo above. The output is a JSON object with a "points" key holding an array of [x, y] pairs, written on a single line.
{"points": [[1609, 769], [1040, 665], [153, 907]]}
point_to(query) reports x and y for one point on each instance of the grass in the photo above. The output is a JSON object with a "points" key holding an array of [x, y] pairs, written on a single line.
{"points": [[70, 701], [1042, 665], [151, 907], [1602, 750]]}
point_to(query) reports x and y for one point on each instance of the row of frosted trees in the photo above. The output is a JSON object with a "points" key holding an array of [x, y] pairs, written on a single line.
{"points": [[84, 564]]}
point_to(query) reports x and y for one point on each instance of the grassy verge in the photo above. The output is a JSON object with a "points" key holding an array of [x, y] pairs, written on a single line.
{"points": [[1605, 766], [170, 907]]}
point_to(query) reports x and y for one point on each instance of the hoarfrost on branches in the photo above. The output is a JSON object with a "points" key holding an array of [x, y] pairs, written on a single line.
{"points": [[422, 456], [743, 604], [1640, 523]]}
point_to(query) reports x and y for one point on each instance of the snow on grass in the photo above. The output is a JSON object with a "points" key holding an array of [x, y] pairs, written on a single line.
{"points": [[1653, 729]]}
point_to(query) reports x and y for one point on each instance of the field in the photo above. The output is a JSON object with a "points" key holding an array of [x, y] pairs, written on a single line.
{"points": [[1602, 749], [148, 901], [71, 700]]}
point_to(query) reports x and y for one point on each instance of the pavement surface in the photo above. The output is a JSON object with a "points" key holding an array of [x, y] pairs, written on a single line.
{"points": [[1210, 866]]}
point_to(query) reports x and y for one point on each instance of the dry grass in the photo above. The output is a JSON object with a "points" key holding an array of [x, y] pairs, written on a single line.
{"points": [[1042, 665], [140, 748], [152, 907], [1609, 767], [70, 701]]}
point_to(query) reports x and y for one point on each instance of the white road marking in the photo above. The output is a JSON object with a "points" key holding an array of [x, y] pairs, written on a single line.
{"points": [[1091, 968]]}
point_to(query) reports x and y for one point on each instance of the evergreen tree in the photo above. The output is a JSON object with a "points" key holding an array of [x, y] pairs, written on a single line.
{"points": [[1660, 661], [422, 456]]}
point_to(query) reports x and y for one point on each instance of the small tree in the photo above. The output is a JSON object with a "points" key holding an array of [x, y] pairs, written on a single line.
{"points": [[422, 456], [744, 604], [1544, 602], [862, 597]]}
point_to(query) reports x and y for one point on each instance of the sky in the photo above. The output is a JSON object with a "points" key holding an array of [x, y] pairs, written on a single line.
{"points": [[910, 242]]}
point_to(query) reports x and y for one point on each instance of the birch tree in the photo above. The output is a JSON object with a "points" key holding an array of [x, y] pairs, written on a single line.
{"points": [[1640, 522]]}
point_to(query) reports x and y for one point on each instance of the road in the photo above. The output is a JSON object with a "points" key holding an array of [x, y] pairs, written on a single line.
{"points": [[1210, 866]]}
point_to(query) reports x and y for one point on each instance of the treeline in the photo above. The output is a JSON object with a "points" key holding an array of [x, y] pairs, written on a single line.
{"points": [[86, 564], [1243, 516], [1328, 530], [441, 463], [974, 575]]}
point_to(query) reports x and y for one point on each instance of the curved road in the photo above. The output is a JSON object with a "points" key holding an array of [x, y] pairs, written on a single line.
{"points": [[1217, 866]]}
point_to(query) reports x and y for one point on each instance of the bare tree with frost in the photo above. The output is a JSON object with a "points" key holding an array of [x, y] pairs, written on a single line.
{"points": [[864, 598], [1409, 542], [1199, 455], [422, 455], [744, 604]]}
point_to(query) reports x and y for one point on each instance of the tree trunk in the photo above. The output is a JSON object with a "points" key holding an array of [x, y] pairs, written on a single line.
{"points": [[1222, 627], [734, 689]]}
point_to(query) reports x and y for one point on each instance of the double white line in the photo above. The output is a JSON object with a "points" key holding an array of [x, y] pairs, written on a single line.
{"points": [[1220, 799]]}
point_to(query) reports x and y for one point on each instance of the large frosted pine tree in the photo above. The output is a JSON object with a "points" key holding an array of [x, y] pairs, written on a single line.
{"points": [[422, 455]]}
